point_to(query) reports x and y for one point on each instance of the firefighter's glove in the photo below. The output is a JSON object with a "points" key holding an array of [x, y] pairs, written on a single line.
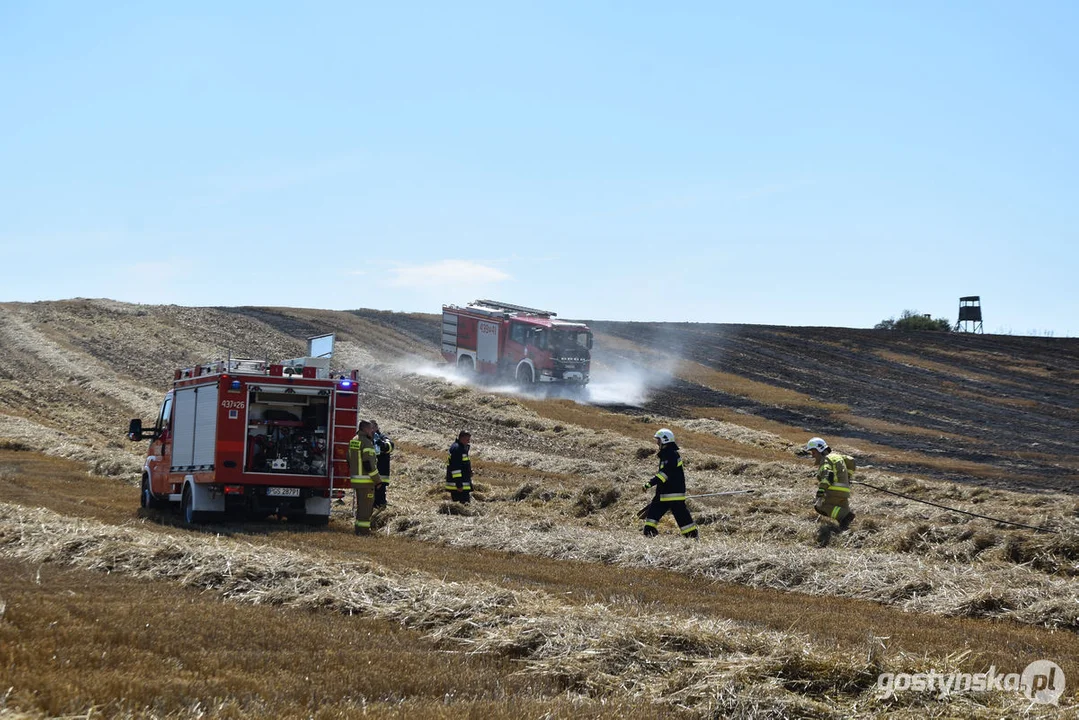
{"points": [[647, 486]]}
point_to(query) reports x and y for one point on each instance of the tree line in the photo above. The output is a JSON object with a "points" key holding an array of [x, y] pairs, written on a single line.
{"points": [[912, 320]]}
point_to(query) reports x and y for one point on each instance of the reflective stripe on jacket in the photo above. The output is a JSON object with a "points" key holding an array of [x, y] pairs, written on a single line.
{"points": [[384, 446], [833, 479], [458, 468], [361, 458], [670, 479]]}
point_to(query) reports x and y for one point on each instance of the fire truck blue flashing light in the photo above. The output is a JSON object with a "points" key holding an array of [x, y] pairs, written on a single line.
{"points": [[346, 384], [235, 385]]}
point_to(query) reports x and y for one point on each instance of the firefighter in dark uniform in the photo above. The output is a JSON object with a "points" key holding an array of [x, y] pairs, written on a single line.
{"points": [[383, 450], [459, 469], [363, 468], [670, 485]]}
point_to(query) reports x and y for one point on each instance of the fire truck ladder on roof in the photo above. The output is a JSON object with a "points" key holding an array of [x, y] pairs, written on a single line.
{"points": [[494, 304], [237, 366], [246, 365]]}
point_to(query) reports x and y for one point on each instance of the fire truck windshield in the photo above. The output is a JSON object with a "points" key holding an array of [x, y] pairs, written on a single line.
{"points": [[571, 339]]}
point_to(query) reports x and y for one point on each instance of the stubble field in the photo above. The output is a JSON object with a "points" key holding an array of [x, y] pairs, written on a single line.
{"points": [[542, 599]]}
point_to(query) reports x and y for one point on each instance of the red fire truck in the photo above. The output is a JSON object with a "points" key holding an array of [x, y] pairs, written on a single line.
{"points": [[252, 437], [496, 339]]}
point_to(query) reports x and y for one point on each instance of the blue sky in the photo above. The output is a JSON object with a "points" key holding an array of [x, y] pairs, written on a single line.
{"points": [[801, 163]]}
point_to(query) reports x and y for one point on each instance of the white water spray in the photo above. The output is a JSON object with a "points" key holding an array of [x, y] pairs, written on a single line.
{"points": [[621, 384], [619, 387]]}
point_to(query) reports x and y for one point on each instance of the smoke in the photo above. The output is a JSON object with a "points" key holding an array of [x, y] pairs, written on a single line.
{"points": [[447, 372], [619, 381], [618, 389], [424, 368], [632, 363], [615, 380]]}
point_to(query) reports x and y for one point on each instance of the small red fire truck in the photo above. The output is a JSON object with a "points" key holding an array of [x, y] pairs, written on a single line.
{"points": [[252, 437], [496, 339]]}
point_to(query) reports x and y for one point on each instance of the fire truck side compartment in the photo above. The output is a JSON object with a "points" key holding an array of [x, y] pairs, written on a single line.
{"points": [[195, 428], [205, 426], [487, 342], [449, 333]]}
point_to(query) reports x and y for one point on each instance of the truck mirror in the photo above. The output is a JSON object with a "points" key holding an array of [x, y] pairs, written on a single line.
{"points": [[134, 429]]}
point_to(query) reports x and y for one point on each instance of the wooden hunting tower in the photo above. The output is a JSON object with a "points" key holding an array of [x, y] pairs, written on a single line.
{"points": [[970, 314]]}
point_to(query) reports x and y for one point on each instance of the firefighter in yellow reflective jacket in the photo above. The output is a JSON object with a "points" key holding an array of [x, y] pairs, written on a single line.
{"points": [[459, 469], [835, 472], [364, 471], [670, 484]]}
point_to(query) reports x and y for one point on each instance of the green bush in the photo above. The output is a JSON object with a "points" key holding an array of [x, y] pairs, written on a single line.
{"points": [[912, 321]]}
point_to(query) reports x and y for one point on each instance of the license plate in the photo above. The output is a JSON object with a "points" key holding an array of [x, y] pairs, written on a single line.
{"points": [[283, 492]]}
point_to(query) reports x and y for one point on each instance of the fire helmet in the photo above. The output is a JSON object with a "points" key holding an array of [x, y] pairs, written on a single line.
{"points": [[664, 436], [816, 444]]}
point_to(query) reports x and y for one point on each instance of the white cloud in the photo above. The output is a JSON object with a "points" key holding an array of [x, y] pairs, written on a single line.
{"points": [[446, 272]]}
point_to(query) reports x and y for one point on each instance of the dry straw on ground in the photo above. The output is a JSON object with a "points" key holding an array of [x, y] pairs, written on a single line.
{"points": [[593, 648], [561, 480]]}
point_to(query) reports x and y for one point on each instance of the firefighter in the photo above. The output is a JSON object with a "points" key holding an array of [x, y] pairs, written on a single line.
{"points": [[670, 484], [383, 450], [834, 474], [459, 469], [363, 468]]}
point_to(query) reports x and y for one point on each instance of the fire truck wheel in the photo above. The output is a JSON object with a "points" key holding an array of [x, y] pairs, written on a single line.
{"points": [[465, 364], [524, 375], [191, 516], [149, 502]]}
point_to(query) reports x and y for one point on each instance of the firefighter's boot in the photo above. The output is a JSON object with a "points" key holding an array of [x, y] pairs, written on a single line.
{"points": [[845, 522], [650, 531]]}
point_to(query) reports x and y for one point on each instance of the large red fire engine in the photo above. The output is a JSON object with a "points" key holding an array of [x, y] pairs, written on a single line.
{"points": [[496, 339], [251, 436]]}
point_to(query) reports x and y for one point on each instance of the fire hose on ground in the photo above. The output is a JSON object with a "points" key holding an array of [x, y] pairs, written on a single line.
{"points": [[643, 511], [951, 509]]}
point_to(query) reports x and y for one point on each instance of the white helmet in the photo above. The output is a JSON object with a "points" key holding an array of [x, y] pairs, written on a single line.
{"points": [[664, 436], [816, 444]]}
